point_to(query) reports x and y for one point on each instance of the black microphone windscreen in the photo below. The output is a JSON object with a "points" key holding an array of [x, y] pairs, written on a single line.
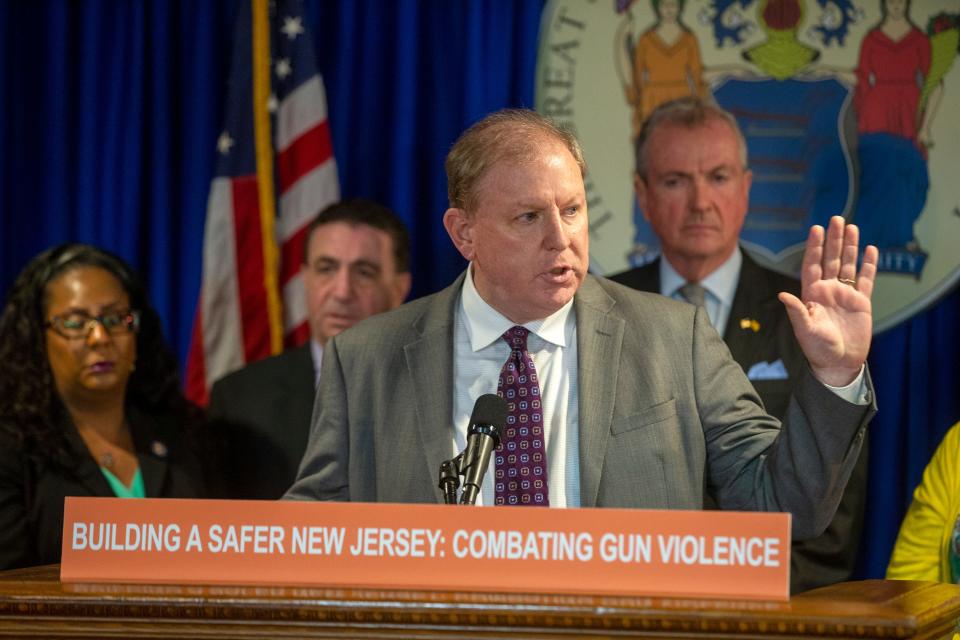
{"points": [[490, 409]]}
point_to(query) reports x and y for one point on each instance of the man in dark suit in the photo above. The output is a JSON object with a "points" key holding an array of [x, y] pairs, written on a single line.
{"points": [[356, 264], [692, 184], [636, 401]]}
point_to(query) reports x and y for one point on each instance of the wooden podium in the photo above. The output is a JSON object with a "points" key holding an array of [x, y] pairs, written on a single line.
{"points": [[33, 602]]}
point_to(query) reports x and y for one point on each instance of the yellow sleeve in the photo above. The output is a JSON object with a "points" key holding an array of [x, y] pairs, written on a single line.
{"points": [[920, 552]]}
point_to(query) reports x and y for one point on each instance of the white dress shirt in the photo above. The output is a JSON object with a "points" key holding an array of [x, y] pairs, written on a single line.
{"points": [[316, 352], [479, 355]]}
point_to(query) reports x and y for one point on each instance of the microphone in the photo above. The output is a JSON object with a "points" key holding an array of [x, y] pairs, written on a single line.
{"points": [[483, 436]]}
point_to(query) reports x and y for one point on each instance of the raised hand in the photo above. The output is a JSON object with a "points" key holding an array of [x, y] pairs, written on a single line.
{"points": [[833, 321]]}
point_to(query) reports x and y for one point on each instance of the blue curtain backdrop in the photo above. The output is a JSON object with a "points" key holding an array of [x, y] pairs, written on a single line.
{"points": [[109, 111]]}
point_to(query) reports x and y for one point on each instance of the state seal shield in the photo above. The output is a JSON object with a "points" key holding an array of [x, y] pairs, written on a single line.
{"points": [[848, 108]]}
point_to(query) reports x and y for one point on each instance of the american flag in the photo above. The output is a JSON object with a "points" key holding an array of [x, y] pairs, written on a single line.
{"points": [[275, 172]]}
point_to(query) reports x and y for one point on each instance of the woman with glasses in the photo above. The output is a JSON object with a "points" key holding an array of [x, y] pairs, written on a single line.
{"points": [[90, 403]]}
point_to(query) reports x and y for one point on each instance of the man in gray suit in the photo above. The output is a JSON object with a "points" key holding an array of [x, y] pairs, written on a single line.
{"points": [[639, 400], [356, 264], [692, 185]]}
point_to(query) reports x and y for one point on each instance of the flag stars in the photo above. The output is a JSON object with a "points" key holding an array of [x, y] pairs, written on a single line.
{"points": [[292, 27], [225, 143], [283, 68], [272, 103]]}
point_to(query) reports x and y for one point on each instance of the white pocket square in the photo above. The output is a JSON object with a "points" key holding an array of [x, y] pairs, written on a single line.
{"points": [[768, 371]]}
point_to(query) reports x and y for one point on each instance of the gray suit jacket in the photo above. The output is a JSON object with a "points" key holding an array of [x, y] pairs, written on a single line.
{"points": [[830, 557], [664, 412], [756, 299]]}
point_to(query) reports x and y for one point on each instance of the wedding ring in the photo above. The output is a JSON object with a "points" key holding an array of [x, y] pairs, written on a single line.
{"points": [[848, 281]]}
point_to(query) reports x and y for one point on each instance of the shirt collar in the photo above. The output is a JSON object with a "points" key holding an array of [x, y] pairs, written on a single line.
{"points": [[721, 284], [485, 325], [316, 352]]}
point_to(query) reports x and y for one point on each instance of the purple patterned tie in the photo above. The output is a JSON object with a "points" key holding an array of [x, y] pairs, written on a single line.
{"points": [[521, 458]]}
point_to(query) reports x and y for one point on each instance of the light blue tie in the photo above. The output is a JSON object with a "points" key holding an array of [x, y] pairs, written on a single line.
{"points": [[694, 294]]}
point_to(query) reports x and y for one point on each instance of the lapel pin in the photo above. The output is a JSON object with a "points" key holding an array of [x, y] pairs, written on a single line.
{"points": [[749, 323]]}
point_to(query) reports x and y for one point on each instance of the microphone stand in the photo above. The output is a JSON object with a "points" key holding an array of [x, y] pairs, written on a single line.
{"points": [[483, 436], [472, 469], [450, 479]]}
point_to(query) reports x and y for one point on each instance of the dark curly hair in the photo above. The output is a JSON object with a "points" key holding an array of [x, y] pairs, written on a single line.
{"points": [[30, 409]]}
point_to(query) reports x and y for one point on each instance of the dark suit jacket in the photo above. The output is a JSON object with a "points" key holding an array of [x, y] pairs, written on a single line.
{"points": [[259, 420], [664, 413], [829, 558], [32, 491]]}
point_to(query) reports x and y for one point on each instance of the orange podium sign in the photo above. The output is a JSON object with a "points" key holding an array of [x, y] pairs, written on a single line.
{"points": [[400, 546]]}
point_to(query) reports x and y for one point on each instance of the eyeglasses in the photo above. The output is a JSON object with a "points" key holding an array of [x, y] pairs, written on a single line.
{"points": [[79, 324]]}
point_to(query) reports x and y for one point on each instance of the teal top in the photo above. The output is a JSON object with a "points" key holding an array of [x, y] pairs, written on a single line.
{"points": [[135, 490]]}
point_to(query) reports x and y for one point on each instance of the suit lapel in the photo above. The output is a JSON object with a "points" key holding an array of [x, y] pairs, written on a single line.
{"points": [[429, 360], [755, 306], [599, 340], [646, 278], [154, 471], [88, 472], [152, 452]]}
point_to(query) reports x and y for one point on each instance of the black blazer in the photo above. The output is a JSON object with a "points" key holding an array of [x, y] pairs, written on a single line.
{"points": [[829, 558], [32, 491], [259, 422]]}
